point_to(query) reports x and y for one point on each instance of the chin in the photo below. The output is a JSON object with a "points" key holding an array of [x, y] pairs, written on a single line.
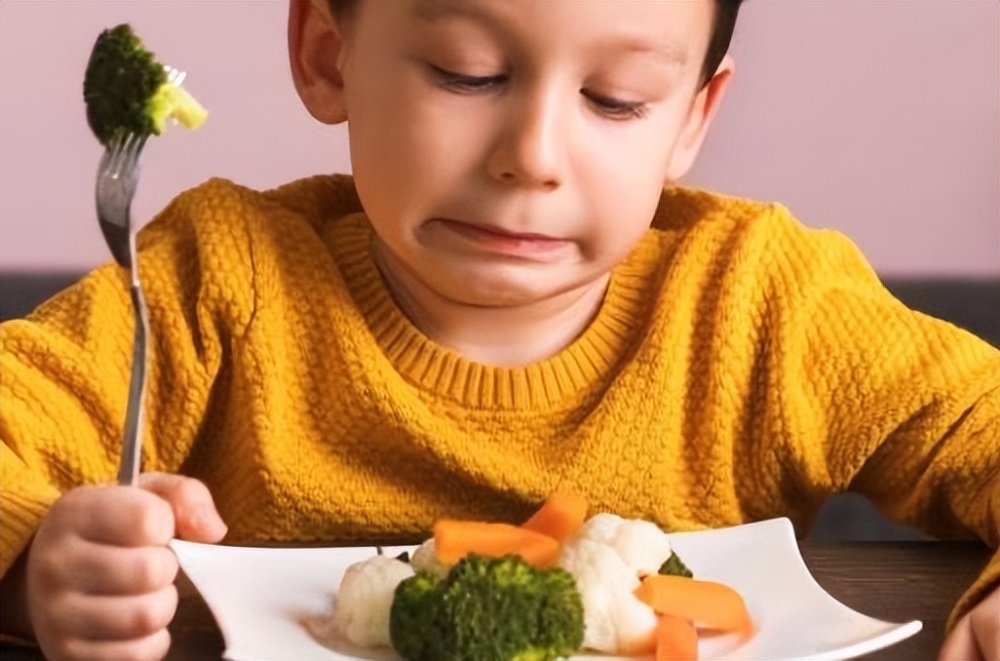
{"points": [[481, 290]]}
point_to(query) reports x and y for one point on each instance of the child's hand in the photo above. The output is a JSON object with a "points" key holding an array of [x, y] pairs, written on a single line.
{"points": [[976, 637], [99, 574]]}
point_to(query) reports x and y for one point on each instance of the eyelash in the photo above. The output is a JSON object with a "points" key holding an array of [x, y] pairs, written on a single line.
{"points": [[617, 108], [458, 82], [610, 107]]}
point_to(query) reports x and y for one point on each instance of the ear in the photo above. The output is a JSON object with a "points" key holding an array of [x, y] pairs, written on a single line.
{"points": [[315, 45], [703, 109]]}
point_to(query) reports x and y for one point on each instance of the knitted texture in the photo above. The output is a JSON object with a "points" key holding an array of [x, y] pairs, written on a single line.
{"points": [[741, 367]]}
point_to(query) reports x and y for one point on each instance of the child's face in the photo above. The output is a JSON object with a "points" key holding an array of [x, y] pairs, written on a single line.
{"points": [[509, 151]]}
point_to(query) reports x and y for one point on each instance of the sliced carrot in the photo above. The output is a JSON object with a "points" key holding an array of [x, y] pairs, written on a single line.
{"points": [[454, 539], [711, 604], [676, 639], [560, 515]]}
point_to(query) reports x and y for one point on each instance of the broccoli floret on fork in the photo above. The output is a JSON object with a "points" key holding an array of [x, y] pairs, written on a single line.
{"points": [[127, 91]]}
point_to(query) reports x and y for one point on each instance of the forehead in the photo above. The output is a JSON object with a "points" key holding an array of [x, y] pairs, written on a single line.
{"points": [[674, 29]]}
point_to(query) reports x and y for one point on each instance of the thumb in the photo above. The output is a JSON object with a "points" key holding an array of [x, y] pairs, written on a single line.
{"points": [[195, 516], [960, 644]]}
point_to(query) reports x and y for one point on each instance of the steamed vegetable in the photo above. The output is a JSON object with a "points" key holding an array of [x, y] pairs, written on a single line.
{"points": [[487, 609], [455, 539], [616, 621], [561, 515], [364, 599], [641, 544], [555, 585], [676, 639], [127, 91], [706, 603], [674, 566]]}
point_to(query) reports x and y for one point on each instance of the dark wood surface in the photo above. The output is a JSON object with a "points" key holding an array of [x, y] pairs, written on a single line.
{"points": [[900, 581], [895, 581]]}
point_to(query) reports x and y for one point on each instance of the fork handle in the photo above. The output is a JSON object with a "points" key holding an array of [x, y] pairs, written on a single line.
{"points": [[128, 468]]}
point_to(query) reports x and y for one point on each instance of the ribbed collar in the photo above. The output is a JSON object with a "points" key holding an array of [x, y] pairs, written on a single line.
{"points": [[589, 363]]}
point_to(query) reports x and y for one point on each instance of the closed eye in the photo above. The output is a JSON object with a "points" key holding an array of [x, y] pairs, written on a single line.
{"points": [[463, 83], [616, 108]]}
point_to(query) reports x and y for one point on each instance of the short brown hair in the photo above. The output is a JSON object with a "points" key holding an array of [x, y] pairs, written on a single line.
{"points": [[722, 31]]}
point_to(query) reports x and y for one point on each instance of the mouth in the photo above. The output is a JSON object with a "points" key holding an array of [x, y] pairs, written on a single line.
{"points": [[496, 240]]}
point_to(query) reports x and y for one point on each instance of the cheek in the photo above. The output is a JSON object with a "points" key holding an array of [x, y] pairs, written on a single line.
{"points": [[621, 230], [409, 155], [623, 186]]}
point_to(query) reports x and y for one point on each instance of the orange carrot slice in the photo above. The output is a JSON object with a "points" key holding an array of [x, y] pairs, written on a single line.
{"points": [[676, 639], [454, 539], [560, 515], [711, 604]]}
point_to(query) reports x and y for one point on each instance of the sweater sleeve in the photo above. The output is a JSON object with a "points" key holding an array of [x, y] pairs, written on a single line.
{"points": [[65, 367], [903, 408]]}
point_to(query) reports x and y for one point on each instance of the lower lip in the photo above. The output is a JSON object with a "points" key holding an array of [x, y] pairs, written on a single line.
{"points": [[512, 245]]}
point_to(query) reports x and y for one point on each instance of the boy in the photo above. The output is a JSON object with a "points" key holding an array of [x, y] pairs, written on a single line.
{"points": [[480, 315]]}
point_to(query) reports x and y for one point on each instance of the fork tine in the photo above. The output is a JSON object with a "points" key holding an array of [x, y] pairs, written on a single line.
{"points": [[133, 149], [109, 162], [122, 154], [175, 76], [117, 154]]}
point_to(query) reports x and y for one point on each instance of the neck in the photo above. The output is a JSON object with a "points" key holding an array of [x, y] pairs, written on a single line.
{"points": [[502, 336]]}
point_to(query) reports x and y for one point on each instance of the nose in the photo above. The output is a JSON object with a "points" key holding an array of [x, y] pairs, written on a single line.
{"points": [[530, 149]]}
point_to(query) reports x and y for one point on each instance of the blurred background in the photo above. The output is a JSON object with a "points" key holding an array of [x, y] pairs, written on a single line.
{"points": [[878, 118]]}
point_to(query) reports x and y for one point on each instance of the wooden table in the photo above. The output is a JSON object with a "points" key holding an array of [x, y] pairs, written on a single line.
{"points": [[898, 582], [895, 581]]}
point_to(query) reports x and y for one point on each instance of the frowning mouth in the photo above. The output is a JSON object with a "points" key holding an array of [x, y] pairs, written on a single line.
{"points": [[496, 240]]}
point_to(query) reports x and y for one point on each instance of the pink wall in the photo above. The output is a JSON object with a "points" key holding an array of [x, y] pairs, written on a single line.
{"points": [[880, 119]]}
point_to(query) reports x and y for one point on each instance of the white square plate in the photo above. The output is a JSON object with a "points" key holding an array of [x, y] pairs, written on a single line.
{"points": [[267, 601]]}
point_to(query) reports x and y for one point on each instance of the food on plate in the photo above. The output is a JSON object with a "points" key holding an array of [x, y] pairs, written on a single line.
{"points": [[538, 540], [424, 558], [616, 621], [561, 515], [126, 90], [368, 588], [641, 545], [558, 584], [676, 638], [674, 566], [711, 604], [488, 609], [454, 540]]}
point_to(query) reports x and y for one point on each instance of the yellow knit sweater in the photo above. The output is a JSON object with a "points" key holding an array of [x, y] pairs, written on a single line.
{"points": [[741, 367]]}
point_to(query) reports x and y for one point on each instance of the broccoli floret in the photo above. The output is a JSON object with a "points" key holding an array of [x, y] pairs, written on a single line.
{"points": [[127, 91], [488, 609], [675, 566]]}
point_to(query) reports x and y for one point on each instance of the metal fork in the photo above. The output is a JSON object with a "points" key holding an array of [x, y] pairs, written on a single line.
{"points": [[117, 176]]}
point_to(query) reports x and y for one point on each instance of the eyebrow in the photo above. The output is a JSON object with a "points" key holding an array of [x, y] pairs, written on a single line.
{"points": [[434, 10], [672, 53]]}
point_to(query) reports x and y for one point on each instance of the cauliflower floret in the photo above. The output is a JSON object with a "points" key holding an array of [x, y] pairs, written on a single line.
{"points": [[615, 621], [424, 558], [361, 612], [641, 545]]}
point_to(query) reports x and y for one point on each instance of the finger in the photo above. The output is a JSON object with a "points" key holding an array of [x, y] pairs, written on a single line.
{"points": [[116, 618], [960, 644], [110, 570], [196, 518], [89, 568], [984, 620], [111, 514], [147, 648]]}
